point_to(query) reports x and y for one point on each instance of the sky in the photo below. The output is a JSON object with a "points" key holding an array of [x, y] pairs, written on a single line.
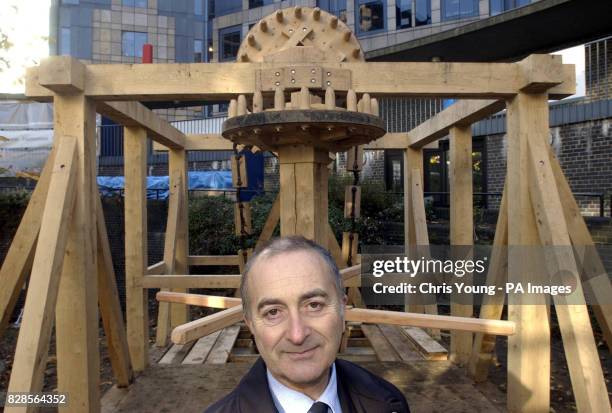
{"points": [[26, 22]]}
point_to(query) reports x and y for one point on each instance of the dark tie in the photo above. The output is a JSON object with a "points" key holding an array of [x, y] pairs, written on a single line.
{"points": [[318, 407]]}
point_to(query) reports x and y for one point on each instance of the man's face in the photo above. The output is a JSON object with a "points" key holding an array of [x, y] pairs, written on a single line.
{"points": [[295, 316]]}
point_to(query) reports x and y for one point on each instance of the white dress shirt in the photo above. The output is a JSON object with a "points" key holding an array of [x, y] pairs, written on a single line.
{"points": [[287, 400]]}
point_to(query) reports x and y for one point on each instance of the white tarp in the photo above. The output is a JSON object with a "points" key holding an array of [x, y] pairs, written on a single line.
{"points": [[16, 115], [24, 150]]}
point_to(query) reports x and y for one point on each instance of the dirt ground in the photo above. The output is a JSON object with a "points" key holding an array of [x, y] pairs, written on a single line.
{"points": [[562, 399]]}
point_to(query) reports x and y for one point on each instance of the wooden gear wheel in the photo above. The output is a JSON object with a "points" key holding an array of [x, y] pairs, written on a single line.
{"points": [[300, 26]]}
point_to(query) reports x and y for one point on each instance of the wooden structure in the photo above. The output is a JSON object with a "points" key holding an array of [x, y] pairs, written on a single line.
{"points": [[295, 61]]}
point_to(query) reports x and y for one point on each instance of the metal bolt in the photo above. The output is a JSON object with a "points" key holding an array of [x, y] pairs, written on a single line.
{"points": [[293, 71], [328, 74], [277, 74], [312, 80], [313, 71], [277, 83], [328, 83], [290, 30], [304, 29], [292, 80]]}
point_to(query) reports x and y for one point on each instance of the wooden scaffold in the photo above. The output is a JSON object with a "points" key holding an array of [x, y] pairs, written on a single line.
{"points": [[300, 89]]}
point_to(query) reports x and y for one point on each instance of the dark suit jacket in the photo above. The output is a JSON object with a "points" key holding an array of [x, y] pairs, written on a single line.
{"points": [[359, 391]]}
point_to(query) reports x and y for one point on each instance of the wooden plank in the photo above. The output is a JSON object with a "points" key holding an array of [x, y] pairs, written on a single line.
{"points": [[170, 243], [384, 350], [201, 142], [400, 343], [334, 247], [110, 307], [135, 114], [594, 276], [137, 315], [198, 299], [206, 281], [206, 325], [363, 315], [213, 260], [462, 113], [157, 269], [288, 219], [176, 353], [199, 352], [18, 260], [271, 222], [352, 208], [429, 348], [529, 348], [244, 209], [33, 342], [177, 165], [62, 74], [461, 231], [79, 371], [389, 141], [239, 171], [223, 81], [583, 362], [223, 346], [492, 305]]}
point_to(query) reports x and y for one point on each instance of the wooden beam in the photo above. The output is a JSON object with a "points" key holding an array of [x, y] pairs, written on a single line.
{"points": [[62, 74], [208, 281], [78, 372], [334, 248], [135, 114], [581, 353], [461, 231], [201, 142], [223, 81], [156, 269], [462, 113], [33, 342], [213, 260], [199, 300], [529, 348], [498, 327], [110, 307], [170, 241], [137, 314], [271, 222], [594, 276], [207, 325], [492, 305], [389, 141], [18, 260], [177, 165]]}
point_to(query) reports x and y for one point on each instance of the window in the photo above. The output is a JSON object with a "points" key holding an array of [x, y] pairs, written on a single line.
{"points": [[500, 6], [459, 9], [371, 16], [70, 1], [336, 7], [394, 170], [229, 43], [135, 3], [259, 3], [422, 13], [64, 44], [132, 42], [197, 7], [403, 14], [223, 7], [197, 51]]}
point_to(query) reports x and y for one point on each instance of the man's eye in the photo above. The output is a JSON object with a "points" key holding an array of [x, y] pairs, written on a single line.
{"points": [[272, 313], [315, 305]]}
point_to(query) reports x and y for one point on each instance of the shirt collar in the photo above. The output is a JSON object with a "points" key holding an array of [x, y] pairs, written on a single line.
{"points": [[288, 400]]}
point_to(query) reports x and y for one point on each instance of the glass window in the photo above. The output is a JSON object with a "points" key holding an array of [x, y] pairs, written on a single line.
{"points": [[500, 6], [259, 3], [197, 7], [223, 7], [132, 42], [197, 50], [403, 14], [371, 16], [336, 7], [459, 9], [229, 43], [64, 44], [70, 1], [422, 13], [135, 3]]}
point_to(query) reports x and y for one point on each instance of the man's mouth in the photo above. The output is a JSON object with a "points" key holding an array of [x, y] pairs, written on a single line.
{"points": [[297, 355]]}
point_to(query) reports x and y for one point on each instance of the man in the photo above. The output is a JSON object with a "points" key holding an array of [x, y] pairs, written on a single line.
{"points": [[293, 302]]}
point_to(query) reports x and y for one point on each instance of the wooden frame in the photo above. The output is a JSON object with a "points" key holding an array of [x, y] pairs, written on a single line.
{"points": [[534, 179]]}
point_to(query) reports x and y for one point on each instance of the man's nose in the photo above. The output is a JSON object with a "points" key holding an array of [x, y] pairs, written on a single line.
{"points": [[298, 329]]}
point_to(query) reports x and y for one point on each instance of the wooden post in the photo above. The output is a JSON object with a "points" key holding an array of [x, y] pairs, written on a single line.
{"points": [[137, 314], [303, 197], [79, 371], [34, 336], [529, 348], [270, 224], [461, 230], [177, 165]]}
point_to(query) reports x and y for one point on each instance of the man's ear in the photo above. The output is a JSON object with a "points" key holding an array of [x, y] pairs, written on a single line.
{"points": [[344, 299], [248, 322]]}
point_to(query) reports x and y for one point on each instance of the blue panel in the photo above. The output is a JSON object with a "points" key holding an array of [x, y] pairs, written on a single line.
{"points": [[255, 175], [65, 17], [459, 9], [198, 30], [183, 26], [164, 5], [183, 50], [85, 17], [223, 7], [84, 43]]}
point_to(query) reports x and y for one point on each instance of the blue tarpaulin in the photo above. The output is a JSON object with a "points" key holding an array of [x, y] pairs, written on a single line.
{"points": [[157, 186]]}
